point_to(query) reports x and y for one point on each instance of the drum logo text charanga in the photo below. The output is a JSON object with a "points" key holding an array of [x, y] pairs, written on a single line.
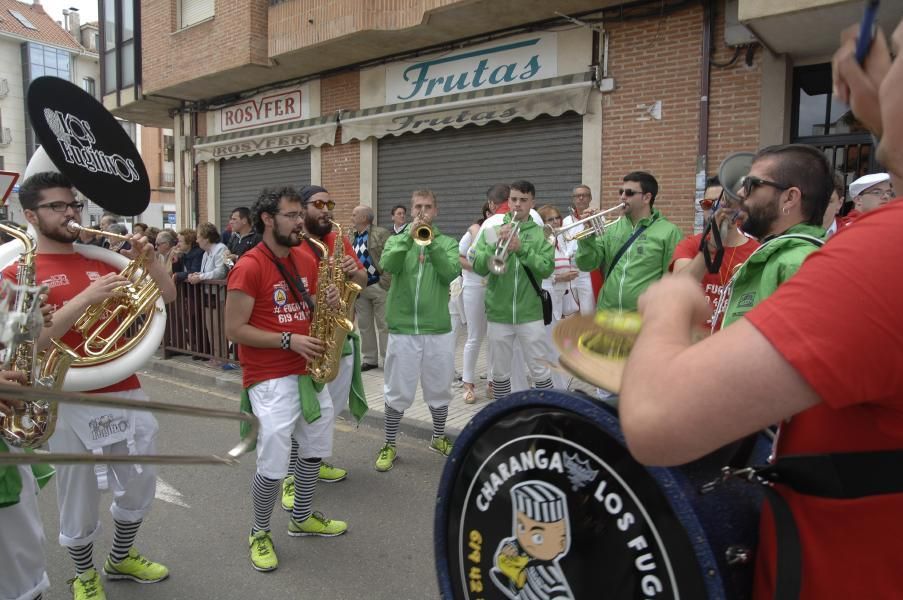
{"points": [[578, 471]]}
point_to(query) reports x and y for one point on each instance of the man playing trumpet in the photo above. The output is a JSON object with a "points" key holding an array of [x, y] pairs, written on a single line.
{"points": [[513, 306], [635, 251], [76, 283]]}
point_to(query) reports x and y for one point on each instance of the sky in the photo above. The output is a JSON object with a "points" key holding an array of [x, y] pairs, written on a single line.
{"points": [[86, 8]]}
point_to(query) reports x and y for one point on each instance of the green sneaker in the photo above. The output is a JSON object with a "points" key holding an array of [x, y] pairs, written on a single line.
{"points": [[288, 493], [331, 474], [263, 553], [441, 444], [87, 586], [317, 524], [135, 567], [385, 460]]}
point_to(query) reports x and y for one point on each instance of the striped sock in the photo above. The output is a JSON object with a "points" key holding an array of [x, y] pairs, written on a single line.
{"points": [[545, 384], [306, 473], [83, 556], [500, 389], [393, 422], [263, 495], [293, 457], [439, 417], [123, 538]]}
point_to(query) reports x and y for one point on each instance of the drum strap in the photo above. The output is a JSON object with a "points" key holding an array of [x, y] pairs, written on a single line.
{"points": [[841, 476]]}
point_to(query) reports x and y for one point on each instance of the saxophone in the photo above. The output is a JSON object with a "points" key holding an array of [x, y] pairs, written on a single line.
{"points": [[331, 325], [32, 424]]}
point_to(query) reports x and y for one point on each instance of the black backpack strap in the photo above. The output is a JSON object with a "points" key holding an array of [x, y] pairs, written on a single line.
{"points": [[532, 280], [624, 248]]}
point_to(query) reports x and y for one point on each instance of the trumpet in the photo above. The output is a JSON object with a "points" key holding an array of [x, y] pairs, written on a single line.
{"points": [[423, 233], [594, 224], [78, 228], [498, 262]]}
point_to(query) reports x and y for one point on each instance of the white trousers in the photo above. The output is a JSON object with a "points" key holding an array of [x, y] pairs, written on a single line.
{"points": [[475, 311], [340, 387], [532, 339], [278, 408], [24, 573], [78, 494], [427, 358], [583, 287]]}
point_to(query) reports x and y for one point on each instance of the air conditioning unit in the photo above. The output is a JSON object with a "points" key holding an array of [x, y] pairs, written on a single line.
{"points": [[6, 137]]}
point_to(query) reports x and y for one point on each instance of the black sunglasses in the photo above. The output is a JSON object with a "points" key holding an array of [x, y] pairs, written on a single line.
{"points": [[750, 183], [629, 193]]}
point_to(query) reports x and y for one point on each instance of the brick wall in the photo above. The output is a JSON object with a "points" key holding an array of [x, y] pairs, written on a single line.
{"points": [[341, 163], [659, 59]]}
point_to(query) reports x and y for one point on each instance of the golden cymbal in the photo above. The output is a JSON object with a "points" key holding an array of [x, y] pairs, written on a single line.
{"points": [[601, 370]]}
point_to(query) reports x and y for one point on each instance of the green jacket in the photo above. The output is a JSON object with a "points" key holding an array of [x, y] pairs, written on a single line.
{"points": [[510, 297], [642, 264], [417, 303], [773, 263]]}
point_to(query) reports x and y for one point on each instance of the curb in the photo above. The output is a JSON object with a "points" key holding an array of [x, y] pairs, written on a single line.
{"points": [[373, 419]]}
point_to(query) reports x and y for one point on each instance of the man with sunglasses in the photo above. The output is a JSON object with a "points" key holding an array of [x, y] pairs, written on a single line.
{"points": [[681, 400], [268, 311], [783, 202], [736, 248], [316, 219], [76, 283], [636, 250]]}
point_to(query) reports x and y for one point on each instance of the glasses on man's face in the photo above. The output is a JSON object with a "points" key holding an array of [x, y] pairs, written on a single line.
{"points": [[579, 196], [628, 193], [880, 193], [61, 207], [707, 203], [321, 204], [291, 216], [750, 183]]}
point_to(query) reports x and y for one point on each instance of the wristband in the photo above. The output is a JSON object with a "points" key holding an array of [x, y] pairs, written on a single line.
{"points": [[286, 340]]}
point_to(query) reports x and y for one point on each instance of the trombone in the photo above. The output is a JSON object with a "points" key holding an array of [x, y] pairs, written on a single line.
{"points": [[594, 224]]}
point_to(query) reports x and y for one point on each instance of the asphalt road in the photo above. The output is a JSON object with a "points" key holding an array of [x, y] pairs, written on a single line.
{"points": [[199, 524]]}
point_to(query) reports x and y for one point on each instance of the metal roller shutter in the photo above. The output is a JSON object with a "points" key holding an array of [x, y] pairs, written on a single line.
{"points": [[242, 179], [459, 165]]}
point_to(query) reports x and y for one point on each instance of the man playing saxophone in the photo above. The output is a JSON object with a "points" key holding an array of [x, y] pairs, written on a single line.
{"points": [[76, 283], [316, 214], [268, 311], [423, 263]]}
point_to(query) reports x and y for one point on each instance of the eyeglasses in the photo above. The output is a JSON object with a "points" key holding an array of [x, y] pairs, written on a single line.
{"points": [[61, 207], [707, 203], [880, 193], [750, 183], [320, 204], [582, 196], [292, 216], [629, 193]]}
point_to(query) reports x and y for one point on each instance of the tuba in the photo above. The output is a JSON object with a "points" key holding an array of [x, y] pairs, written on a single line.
{"points": [[331, 325]]}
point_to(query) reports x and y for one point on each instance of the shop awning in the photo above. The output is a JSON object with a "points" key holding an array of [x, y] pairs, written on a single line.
{"points": [[554, 96], [266, 140]]}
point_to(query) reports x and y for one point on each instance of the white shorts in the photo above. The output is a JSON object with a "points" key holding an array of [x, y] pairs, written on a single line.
{"points": [[276, 405], [22, 544], [78, 494], [340, 387], [427, 358]]}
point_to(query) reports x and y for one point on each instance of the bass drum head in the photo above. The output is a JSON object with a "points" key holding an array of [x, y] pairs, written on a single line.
{"points": [[541, 499]]}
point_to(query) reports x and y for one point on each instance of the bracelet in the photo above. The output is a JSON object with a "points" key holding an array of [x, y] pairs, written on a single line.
{"points": [[286, 340]]}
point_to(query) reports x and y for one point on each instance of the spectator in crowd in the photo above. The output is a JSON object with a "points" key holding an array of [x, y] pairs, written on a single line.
{"points": [[399, 218], [244, 236], [187, 256], [212, 267], [140, 228], [368, 241], [832, 217], [870, 192], [151, 234], [165, 243], [113, 243]]}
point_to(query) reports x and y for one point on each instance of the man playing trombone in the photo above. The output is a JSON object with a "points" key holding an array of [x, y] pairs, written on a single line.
{"points": [[635, 250], [423, 263], [513, 305]]}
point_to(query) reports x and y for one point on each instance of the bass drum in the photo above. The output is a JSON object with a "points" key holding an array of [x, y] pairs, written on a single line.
{"points": [[541, 499]]}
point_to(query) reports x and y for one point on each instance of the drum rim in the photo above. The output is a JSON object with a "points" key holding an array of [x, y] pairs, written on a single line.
{"points": [[680, 506]]}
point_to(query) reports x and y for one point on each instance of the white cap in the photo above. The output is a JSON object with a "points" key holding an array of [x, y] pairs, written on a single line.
{"points": [[867, 181]]}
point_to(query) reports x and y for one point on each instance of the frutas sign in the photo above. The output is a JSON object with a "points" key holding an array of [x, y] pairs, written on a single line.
{"points": [[262, 110], [482, 67]]}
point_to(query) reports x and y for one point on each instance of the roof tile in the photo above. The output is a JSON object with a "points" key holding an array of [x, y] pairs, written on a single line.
{"points": [[48, 31]]}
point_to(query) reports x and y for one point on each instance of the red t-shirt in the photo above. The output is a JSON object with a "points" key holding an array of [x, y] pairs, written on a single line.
{"points": [[66, 276], [855, 364], [275, 309], [713, 283], [329, 240]]}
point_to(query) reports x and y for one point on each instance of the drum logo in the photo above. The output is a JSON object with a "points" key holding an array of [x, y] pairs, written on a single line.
{"points": [[77, 142]]}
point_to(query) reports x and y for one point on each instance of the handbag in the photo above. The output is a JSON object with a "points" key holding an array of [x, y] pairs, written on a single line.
{"points": [[544, 297]]}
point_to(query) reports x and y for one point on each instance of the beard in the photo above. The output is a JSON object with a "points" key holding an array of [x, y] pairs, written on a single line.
{"points": [[315, 227], [57, 233], [759, 220], [289, 241]]}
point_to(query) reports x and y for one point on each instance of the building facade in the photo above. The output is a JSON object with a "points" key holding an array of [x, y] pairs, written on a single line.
{"points": [[376, 99]]}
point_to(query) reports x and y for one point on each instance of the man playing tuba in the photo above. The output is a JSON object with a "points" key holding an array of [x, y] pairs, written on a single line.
{"points": [[76, 283]]}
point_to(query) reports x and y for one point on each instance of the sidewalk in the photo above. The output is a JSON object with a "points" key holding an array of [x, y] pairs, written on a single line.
{"points": [[417, 421]]}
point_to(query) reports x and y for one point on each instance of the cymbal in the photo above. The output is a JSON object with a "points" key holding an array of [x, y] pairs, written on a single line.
{"points": [[598, 369]]}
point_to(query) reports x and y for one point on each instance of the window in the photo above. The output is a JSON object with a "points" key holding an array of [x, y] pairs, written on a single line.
{"points": [[39, 60], [88, 85], [120, 56], [22, 19], [192, 12]]}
